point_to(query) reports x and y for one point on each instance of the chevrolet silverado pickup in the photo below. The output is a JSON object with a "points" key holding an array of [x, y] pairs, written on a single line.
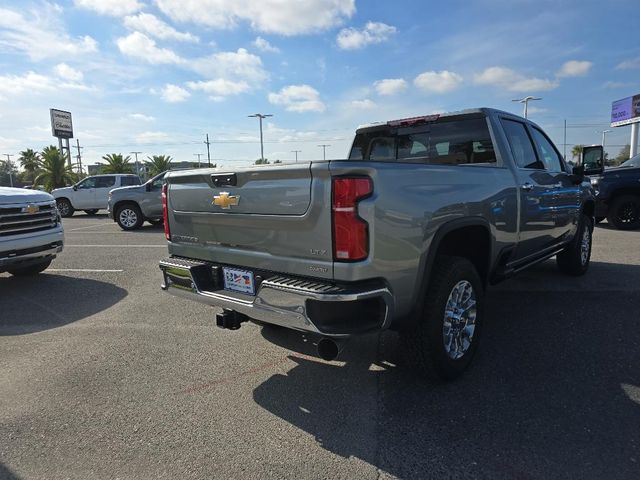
{"points": [[31, 233], [406, 233]]}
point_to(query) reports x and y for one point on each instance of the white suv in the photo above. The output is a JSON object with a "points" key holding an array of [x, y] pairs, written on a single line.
{"points": [[91, 194]]}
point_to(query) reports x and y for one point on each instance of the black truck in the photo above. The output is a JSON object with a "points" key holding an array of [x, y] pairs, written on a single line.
{"points": [[618, 195]]}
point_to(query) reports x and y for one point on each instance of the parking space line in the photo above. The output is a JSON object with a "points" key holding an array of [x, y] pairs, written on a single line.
{"points": [[117, 246], [85, 227], [83, 270]]}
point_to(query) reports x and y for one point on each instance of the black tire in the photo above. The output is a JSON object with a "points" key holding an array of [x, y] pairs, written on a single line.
{"points": [[575, 258], [600, 219], [65, 208], [31, 269], [624, 212], [427, 340], [93, 211], [129, 216]]}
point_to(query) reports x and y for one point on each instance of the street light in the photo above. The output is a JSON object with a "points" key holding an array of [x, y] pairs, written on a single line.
{"points": [[324, 150], [604, 136], [9, 166], [296, 152], [137, 164], [526, 101], [260, 116]]}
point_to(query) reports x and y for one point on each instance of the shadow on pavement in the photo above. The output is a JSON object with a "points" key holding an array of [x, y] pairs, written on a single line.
{"points": [[46, 301], [554, 393], [6, 473]]}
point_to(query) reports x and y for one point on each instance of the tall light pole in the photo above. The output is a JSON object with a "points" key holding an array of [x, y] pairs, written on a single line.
{"points": [[296, 152], [9, 165], [260, 116], [526, 101], [324, 150], [137, 164], [604, 137], [198, 155]]}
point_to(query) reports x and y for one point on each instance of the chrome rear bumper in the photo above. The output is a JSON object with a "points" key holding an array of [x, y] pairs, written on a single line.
{"points": [[300, 304]]}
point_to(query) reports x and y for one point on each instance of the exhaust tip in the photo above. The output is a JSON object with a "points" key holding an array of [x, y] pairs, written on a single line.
{"points": [[328, 349]]}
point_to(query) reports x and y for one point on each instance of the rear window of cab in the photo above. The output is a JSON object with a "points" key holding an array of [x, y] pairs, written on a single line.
{"points": [[446, 142]]}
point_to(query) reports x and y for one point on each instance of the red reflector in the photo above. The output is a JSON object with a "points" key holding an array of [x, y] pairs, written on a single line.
{"points": [[165, 212], [413, 120], [350, 232]]}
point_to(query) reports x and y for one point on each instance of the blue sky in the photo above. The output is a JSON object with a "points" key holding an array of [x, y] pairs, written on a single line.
{"points": [[157, 75]]}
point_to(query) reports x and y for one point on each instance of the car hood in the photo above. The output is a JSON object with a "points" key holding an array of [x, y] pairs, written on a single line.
{"points": [[61, 192], [132, 188], [20, 195], [617, 170]]}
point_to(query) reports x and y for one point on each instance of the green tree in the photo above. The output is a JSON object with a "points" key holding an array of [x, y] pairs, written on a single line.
{"points": [[116, 163], [29, 161], [8, 173], [625, 153], [576, 151], [158, 164], [261, 161], [278, 161], [53, 170]]}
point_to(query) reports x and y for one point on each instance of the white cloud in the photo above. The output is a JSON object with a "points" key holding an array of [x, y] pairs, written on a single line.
{"points": [[438, 82], [574, 68], [66, 72], [629, 64], [138, 45], [153, 26], [32, 83], [364, 104], [373, 32], [151, 137], [390, 86], [612, 84], [142, 117], [514, 82], [262, 44], [40, 34], [220, 87], [116, 8], [298, 98], [239, 65], [269, 16], [174, 94]]}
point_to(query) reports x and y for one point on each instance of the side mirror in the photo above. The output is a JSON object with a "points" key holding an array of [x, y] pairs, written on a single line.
{"points": [[75, 187], [593, 160], [577, 174]]}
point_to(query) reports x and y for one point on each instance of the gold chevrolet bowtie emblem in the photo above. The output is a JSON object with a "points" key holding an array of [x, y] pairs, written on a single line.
{"points": [[226, 201], [31, 209]]}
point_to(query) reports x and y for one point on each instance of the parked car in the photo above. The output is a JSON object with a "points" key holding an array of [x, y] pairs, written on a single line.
{"points": [[618, 195], [31, 233], [407, 233], [91, 193], [129, 207]]}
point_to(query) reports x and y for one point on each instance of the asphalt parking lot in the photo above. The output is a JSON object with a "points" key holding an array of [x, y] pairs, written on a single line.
{"points": [[102, 375]]}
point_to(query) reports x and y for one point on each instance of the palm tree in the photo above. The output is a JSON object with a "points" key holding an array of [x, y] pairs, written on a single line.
{"points": [[53, 169], [29, 161], [158, 164], [116, 163], [576, 151]]}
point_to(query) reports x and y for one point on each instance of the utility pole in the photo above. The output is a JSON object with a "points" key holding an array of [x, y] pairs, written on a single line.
{"points": [[604, 139], [9, 165], [260, 116], [296, 152], [137, 165], [565, 140], [208, 152], [526, 101], [79, 157], [198, 155], [324, 150]]}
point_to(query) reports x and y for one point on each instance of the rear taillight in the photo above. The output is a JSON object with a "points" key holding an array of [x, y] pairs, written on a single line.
{"points": [[165, 213], [350, 232]]}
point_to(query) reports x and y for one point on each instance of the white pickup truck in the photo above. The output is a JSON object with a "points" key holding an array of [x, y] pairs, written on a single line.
{"points": [[91, 194], [31, 233]]}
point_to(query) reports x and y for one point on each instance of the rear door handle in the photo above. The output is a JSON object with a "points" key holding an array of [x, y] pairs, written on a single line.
{"points": [[527, 187]]}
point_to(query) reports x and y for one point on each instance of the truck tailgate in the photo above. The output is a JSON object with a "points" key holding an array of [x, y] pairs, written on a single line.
{"points": [[264, 217]]}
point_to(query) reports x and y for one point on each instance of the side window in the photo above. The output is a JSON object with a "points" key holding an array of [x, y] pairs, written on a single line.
{"points": [[105, 182], [89, 182], [128, 181], [521, 146], [157, 183], [549, 155]]}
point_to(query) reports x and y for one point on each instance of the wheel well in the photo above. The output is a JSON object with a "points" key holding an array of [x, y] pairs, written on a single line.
{"points": [[121, 203], [472, 242], [624, 191], [589, 208]]}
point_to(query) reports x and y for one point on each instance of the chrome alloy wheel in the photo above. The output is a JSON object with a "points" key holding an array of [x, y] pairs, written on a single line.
{"points": [[585, 246], [128, 218], [459, 320], [63, 208]]}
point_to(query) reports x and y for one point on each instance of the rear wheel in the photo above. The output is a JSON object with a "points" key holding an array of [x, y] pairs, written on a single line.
{"points": [[129, 217], [93, 211], [574, 259], [444, 342], [31, 269], [624, 212], [64, 207]]}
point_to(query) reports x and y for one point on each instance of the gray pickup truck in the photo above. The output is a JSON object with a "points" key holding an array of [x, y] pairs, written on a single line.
{"points": [[406, 233], [130, 206]]}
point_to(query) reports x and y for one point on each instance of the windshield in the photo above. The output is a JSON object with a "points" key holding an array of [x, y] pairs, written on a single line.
{"points": [[632, 162]]}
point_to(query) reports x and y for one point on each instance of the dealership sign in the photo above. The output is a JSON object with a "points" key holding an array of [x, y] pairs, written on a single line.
{"points": [[61, 125], [625, 111]]}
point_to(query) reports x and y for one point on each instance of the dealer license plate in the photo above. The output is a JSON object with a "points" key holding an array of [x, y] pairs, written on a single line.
{"points": [[238, 280]]}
